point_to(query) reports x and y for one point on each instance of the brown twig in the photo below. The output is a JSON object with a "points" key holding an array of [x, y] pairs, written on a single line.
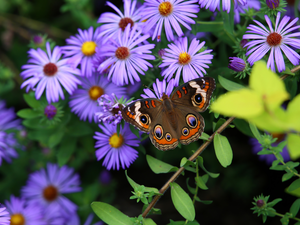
{"points": [[197, 153]]}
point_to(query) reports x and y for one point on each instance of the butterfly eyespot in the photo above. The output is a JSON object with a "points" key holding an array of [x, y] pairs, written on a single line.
{"points": [[158, 132], [144, 119], [168, 137], [198, 98], [185, 131], [191, 121]]}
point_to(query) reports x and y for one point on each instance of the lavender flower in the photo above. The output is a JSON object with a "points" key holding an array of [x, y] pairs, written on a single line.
{"points": [[48, 72], [116, 149], [240, 8], [212, 5], [124, 58], [275, 40], [110, 111], [160, 88], [45, 188], [8, 142], [22, 213], [181, 58], [112, 22], [236, 64], [170, 13], [81, 50], [84, 100], [4, 216]]}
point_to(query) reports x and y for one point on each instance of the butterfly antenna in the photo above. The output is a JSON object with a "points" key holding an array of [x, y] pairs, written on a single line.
{"points": [[148, 87]]}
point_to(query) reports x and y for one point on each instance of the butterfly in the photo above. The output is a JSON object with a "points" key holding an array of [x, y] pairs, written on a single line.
{"points": [[173, 119]]}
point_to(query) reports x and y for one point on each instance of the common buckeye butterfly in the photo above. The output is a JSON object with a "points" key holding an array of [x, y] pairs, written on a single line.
{"points": [[175, 119]]}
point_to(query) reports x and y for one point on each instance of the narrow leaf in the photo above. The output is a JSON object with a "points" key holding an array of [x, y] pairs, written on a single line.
{"points": [[223, 150], [28, 113], [65, 151], [255, 131], [110, 214], [287, 176], [201, 164], [182, 202], [229, 85], [148, 221], [200, 183], [31, 101], [295, 208], [293, 186], [158, 166]]}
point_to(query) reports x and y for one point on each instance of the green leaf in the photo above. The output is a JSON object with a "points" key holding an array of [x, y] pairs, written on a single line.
{"points": [[56, 138], [31, 101], [295, 208], [134, 130], [274, 202], [217, 125], [243, 103], [229, 85], [110, 214], [228, 20], [158, 166], [255, 131], [65, 150], [285, 219], [293, 143], [287, 176], [135, 185], [204, 136], [293, 111], [79, 129], [148, 221], [182, 202], [192, 190], [28, 113], [206, 26], [293, 186], [201, 164], [200, 183], [243, 126], [223, 150]]}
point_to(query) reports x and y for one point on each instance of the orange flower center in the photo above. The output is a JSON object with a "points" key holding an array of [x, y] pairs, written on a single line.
{"points": [[124, 22], [184, 58], [274, 39], [165, 8], [122, 53], [95, 92], [50, 193], [17, 219], [50, 69]]}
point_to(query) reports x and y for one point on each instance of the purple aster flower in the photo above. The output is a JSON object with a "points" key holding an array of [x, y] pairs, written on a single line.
{"points": [[273, 40], [125, 59], [81, 49], [89, 221], [112, 22], [45, 188], [236, 64], [272, 4], [160, 88], [116, 149], [256, 147], [110, 111], [170, 13], [4, 216], [213, 4], [181, 58], [22, 213], [47, 71], [8, 142], [241, 8], [105, 177], [84, 100]]}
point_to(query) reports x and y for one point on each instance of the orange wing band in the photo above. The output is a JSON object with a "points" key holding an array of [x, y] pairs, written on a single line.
{"points": [[192, 132]]}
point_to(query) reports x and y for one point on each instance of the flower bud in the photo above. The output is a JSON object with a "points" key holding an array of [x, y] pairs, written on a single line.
{"points": [[272, 4], [50, 111], [260, 203], [236, 64]]}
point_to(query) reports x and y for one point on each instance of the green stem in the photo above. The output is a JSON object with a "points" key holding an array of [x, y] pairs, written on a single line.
{"points": [[211, 22], [282, 215], [284, 164]]}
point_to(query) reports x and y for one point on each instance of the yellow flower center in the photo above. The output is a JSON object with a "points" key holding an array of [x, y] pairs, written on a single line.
{"points": [[95, 92], [88, 48], [17, 219], [165, 8], [184, 58], [116, 141], [50, 193]]}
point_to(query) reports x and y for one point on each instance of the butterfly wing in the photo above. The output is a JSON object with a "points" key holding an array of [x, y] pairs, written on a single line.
{"points": [[142, 113], [195, 93]]}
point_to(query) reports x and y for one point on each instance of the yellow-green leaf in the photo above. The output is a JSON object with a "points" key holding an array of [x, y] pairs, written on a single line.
{"points": [[223, 150], [293, 144], [293, 112], [268, 85], [243, 103]]}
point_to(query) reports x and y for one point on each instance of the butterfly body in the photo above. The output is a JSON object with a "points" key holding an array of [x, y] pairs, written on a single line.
{"points": [[175, 119]]}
